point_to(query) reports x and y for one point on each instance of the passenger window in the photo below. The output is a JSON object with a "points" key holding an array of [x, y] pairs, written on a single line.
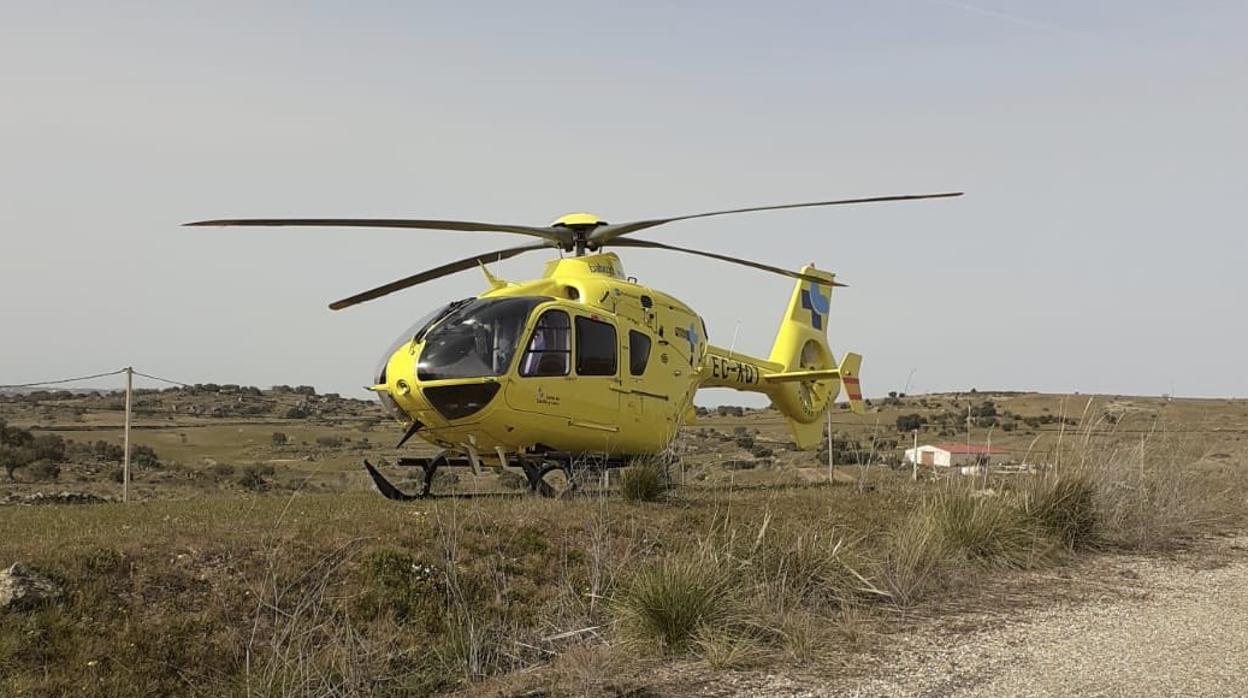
{"points": [[638, 352], [595, 347], [550, 348]]}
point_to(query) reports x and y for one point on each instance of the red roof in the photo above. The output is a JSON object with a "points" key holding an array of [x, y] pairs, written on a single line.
{"points": [[965, 450]]}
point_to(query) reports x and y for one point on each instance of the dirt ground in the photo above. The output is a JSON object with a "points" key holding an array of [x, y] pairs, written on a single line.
{"points": [[1115, 625]]}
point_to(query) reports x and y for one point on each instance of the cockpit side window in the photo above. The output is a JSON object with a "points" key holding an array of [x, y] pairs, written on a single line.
{"points": [[550, 349], [596, 347], [638, 352]]}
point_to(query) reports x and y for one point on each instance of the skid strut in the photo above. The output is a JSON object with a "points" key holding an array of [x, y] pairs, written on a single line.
{"points": [[536, 466], [389, 491]]}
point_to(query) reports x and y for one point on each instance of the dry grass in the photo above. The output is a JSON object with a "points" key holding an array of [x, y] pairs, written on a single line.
{"points": [[314, 594], [1064, 504], [668, 602], [645, 480]]}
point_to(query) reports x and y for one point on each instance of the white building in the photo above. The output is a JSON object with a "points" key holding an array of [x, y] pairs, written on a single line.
{"points": [[950, 455]]}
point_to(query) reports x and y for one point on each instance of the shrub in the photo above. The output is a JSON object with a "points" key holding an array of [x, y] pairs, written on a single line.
{"points": [[761, 452], [644, 481], [1064, 505], [913, 561], [985, 527], [49, 447], [253, 480], [746, 442], [280, 439], [1146, 507], [329, 441], [13, 457], [43, 471], [667, 602], [144, 457], [221, 470]]}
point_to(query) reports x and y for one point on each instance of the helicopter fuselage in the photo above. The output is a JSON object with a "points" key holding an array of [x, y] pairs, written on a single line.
{"points": [[581, 360]]}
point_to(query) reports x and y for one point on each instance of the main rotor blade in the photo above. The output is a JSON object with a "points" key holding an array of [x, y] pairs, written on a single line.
{"points": [[556, 235], [435, 273], [610, 232], [634, 242]]}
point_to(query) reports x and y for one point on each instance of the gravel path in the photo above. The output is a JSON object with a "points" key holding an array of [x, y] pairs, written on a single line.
{"points": [[1157, 628]]}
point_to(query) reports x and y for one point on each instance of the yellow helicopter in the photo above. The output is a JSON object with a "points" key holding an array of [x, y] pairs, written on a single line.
{"points": [[584, 368]]}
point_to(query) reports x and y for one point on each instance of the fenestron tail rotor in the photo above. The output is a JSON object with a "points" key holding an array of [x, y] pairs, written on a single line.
{"points": [[575, 232]]}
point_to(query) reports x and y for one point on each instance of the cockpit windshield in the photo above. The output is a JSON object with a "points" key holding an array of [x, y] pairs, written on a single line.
{"points": [[413, 332], [475, 339]]}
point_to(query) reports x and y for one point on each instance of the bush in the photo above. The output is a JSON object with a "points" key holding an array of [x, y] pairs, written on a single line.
{"points": [[144, 457], [666, 603], [252, 479], [329, 441], [13, 457], [49, 447], [43, 471], [1148, 506], [1064, 505], [644, 481], [985, 527], [221, 471], [746, 442], [280, 439], [913, 562], [761, 452]]}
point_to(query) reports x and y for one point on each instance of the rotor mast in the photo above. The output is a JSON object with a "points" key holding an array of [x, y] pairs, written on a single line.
{"points": [[581, 225]]}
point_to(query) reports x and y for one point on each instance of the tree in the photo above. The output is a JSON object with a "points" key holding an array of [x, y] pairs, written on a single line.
{"points": [[49, 447], [910, 422], [12, 458], [984, 409], [14, 436]]}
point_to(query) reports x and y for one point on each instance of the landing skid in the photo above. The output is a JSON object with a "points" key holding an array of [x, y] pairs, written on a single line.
{"points": [[576, 471]]}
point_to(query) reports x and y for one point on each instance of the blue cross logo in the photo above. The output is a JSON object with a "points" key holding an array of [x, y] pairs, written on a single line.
{"points": [[816, 303]]}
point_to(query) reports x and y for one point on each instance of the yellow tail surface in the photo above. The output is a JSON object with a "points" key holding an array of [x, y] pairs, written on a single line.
{"points": [[811, 378]]}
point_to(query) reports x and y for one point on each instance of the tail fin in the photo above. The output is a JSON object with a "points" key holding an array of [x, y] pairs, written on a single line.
{"points": [[849, 378], [802, 346]]}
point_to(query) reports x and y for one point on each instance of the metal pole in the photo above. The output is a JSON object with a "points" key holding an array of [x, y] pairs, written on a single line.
{"points": [[831, 479], [914, 459], [125, 468], [968, 436], [988, 458]]}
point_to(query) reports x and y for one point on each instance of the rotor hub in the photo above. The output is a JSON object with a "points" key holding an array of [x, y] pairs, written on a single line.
{"points": [[581, 225]]}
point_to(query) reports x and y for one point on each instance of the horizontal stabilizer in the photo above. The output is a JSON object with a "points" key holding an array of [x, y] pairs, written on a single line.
{"points": [[801, 376]]}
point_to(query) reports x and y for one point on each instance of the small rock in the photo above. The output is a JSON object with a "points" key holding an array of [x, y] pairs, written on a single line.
{"points": [[22, 588]]}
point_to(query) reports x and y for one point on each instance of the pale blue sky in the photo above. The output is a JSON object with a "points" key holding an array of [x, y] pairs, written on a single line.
{"points": [[1102, 147]]}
